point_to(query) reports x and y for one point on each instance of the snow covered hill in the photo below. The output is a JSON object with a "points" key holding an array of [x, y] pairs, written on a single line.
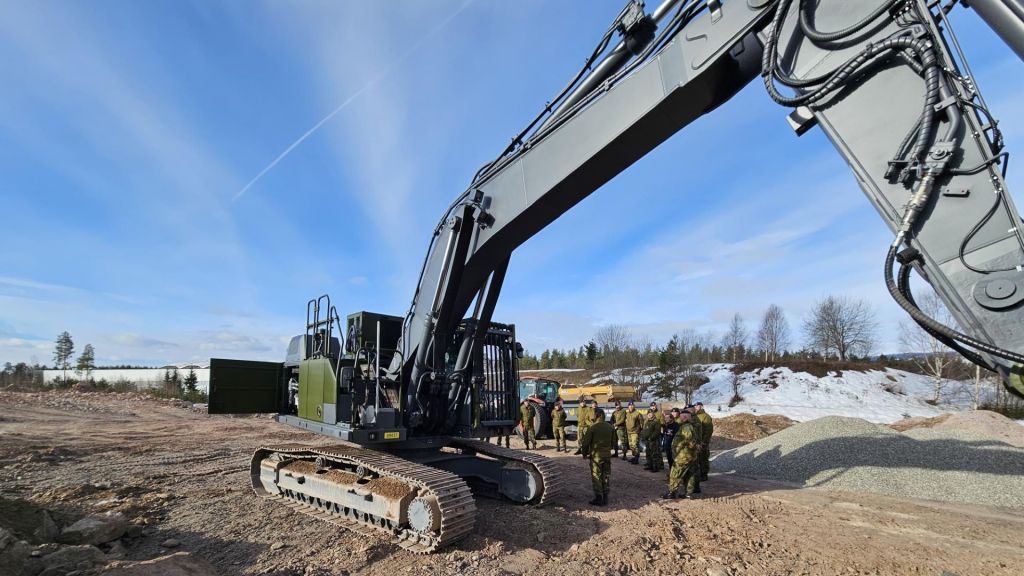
{"points": [[881, 396], [876, 395]]}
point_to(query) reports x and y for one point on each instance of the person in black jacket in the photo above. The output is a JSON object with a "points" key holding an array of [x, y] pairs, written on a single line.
{"points": [[671, 427]]}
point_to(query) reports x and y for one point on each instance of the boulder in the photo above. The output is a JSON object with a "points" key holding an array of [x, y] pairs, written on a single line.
{"points": [[178, 564], [95, 529], [71, 557], [16, 557], [48, 530]]}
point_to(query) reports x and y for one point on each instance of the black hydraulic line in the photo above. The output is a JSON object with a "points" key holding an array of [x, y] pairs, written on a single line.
{"points": [[807, 27], [925, 320], [970, 355]]}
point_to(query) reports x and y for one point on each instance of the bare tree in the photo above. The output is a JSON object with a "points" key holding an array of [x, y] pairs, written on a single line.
{"points": [[773, 335], [706, 341], [931, 356], [735, 338], [612, 340], [841, 326], [735, 382]]}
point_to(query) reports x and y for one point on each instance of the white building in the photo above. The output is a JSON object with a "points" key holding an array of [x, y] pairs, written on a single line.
{"points": [[140, 377]]}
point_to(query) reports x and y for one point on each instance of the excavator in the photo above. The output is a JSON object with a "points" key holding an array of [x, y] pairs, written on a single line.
{"points": [[405, 399]]}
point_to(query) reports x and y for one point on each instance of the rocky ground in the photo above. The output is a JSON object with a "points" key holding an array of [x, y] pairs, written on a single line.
{"points": [[105, 483]]}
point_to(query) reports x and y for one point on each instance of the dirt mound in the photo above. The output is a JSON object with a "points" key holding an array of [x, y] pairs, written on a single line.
{"points": [[978, 422], [739, 429], [918, 422]]}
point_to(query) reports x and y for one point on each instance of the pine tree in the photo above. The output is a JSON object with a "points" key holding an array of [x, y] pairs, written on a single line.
{"points": [[191, 381], [86, 362], [591, 354], [62, 353]]}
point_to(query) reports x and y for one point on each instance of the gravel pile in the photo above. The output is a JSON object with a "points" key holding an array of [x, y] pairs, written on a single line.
{"points": [[839, 453]]}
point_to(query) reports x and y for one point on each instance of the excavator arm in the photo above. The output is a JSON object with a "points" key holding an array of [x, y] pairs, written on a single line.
{"points": [[878, 77]]}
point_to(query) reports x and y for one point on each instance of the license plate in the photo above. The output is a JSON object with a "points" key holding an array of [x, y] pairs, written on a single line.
{"points": [[392, 435]]}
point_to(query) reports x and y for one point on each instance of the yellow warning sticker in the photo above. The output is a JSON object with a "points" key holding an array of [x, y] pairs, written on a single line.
{"points": [[392, 435]]}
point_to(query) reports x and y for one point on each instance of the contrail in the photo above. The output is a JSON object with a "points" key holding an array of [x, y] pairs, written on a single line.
{"points": [[388, 69]]}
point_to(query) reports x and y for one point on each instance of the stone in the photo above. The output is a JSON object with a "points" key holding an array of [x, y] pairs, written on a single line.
{"points": [[48, 530], [277, 545], [44, 549], [717, 571], [134, 531], [71, 557], [16, 558], [177, 564], [95, 529], [117, 551], [171, 543], [6, 538]]}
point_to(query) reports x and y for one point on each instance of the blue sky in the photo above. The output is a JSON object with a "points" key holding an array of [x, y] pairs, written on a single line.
{"points": [[128, 131]]}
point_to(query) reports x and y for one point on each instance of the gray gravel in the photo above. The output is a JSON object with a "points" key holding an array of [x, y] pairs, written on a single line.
{"points": [[841, 453]]}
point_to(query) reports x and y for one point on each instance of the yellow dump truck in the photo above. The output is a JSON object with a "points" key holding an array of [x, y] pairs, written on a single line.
{"points": [[601, 393]]}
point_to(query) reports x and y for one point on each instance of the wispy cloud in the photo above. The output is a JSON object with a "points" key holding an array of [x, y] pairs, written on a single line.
{"points": [[385, 71]]}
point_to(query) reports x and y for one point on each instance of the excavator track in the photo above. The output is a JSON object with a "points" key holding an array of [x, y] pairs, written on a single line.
{"points": [[544, 469], [423, 509]]}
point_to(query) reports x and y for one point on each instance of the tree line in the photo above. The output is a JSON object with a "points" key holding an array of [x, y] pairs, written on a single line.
{"points": [[172, 385], [838, 328]]}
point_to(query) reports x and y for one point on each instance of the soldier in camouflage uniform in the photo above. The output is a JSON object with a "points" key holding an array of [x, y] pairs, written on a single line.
{"points": [[526, 420], [596, 445], [684, 471], [584, 418], [707, 429], [619, 423], [651, 436], [558, 427], [634, 424]]}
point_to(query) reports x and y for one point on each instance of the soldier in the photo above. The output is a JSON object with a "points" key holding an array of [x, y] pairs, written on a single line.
{"points": [[707, 429], [619, 423], [671, 427], [596, 445], [558, 427], [684, 461], [651, 435], [657, 413], [634, 424], [526, 420], [584, 417]]}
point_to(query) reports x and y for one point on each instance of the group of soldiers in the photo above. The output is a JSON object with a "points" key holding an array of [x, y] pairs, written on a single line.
{"points": [[683, 436]]}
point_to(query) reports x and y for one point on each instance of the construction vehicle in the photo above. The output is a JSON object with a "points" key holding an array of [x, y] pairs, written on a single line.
{"points": [[602, 393], [542, 393], [885, 81]]}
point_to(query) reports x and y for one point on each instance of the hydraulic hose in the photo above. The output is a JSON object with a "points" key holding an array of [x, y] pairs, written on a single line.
{"points": [[807, 27], [925, 321]]}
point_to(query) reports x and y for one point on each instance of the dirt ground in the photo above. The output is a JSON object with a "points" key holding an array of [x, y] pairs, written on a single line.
{"points": [[184, 475]]}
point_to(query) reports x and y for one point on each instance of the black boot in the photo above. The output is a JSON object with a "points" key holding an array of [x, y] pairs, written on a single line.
{"points": [[635, 460], [596, 501], [669, 495], [604, 500]]}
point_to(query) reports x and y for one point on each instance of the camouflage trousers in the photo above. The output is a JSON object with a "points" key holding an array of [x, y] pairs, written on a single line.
{"points": [[634, 443], [581, 431], [683, 475], [652, 449], [600, 474], [559, 433], [622, 443], [529, 436]]}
